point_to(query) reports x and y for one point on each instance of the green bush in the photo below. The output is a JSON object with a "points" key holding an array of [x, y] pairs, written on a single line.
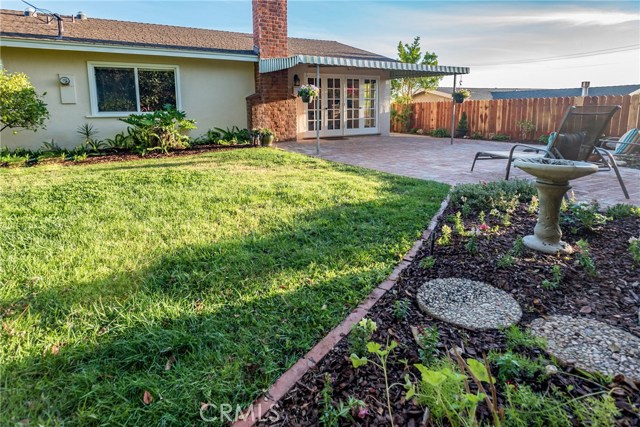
{"points": [[161, 130], [584, 215], [622, 210], [477, 135], [501, 195], [440, 133], [500, 137], [514, 367], [20, 105]]}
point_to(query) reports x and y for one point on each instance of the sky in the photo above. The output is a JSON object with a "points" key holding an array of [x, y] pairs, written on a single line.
{"points": [[507, 44]]}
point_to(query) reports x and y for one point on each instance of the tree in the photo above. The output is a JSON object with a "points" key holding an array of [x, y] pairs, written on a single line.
{"points": [[404, 89], [20, 105]]}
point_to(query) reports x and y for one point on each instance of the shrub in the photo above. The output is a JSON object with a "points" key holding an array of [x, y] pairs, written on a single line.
{"points": [[477, 135], [428, 262], [584, 215], [634, 249], [526, 127], [427, 342], [622, 210], [401, 308], [463, 125], [89, 140], [500, 195], [161, 130], [500, 137], [20, 105], [440, 133]]}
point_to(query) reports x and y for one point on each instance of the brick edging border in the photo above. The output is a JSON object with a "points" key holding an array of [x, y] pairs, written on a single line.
{"points": [[282, 385]]}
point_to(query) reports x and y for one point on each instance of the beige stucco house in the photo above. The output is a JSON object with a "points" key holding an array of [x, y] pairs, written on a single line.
{"points": [[431, 96], [97, 70]]}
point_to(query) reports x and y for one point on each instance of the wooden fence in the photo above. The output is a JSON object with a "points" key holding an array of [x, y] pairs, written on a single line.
{"points": [[501, 115]]}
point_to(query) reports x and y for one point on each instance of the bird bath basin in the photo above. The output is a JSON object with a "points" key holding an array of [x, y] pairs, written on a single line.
{"points": [[552, 182]]}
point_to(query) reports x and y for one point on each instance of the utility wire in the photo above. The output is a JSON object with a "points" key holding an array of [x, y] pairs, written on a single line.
{"points": [[567, 56]]}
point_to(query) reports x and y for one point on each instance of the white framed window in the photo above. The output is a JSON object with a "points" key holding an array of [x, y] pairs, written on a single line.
{"points": [[119, 89]]}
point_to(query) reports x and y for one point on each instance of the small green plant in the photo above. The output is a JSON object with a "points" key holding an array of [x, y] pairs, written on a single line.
{"points": [[427, 338], [457, 222], [506, 219], [554, 282], [427, 262], [89, 140], [514, 367], [361, 333], [401, 308], [506, 261], [477, 135], [50, 147], [634, 249], [445, 236], [382, 354], [481, 217], [440, 133], [518, 247], [331, 415], [80, 157], [533, 205], [517, 337], [584, 258], [472, 244], [622, 210], [526, 127], [544, 138], [444, 389]]}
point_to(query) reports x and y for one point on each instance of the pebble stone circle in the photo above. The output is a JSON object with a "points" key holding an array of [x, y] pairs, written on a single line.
{"points": [[468, 304], [590, 345]]}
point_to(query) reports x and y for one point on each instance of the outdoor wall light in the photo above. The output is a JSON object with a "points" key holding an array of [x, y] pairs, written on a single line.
{"points": [[296, 80]]}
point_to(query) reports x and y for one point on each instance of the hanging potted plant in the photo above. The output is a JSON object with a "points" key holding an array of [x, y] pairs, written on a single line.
{"points": [[460, 95], [463, 126], [308, 92], [267, 137]]}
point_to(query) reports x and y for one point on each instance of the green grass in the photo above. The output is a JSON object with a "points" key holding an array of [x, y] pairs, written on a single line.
{"points": [[233, 263]]}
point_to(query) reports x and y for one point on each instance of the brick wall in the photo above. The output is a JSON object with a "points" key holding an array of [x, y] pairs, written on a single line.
{"points": [[273, 106]]}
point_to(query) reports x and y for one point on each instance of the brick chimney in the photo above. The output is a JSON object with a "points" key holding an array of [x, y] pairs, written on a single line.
{"points": [[273, 105], [270, 28]]}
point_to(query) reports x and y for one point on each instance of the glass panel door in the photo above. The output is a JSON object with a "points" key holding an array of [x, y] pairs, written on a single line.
{"points": [[333, 106], [352, 105], [314, 112], [370, 89]]}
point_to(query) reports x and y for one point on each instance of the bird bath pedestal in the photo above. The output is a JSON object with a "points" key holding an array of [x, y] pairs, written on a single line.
{"points": [[552, 182]]}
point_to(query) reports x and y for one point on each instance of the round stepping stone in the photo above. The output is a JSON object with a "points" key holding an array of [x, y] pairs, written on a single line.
{"points": [[468, 304], [590, 345]]}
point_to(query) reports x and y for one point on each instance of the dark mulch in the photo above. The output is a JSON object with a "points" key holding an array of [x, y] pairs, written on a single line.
{"points": [[612, 297]]}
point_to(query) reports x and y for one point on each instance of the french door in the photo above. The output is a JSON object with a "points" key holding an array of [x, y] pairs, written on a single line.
{"points": [[347, 105]]}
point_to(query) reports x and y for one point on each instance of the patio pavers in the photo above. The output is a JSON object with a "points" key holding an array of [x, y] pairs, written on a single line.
{"points": [[435, 159]]}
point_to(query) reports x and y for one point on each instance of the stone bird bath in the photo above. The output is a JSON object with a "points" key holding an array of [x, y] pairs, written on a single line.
{"points": [[552, 182]]}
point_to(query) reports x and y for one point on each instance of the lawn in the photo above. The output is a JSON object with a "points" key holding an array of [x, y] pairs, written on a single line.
{"points": [[197, 279]]}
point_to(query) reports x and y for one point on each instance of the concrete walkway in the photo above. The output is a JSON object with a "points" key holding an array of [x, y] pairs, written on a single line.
{"points": [[435, 159]]}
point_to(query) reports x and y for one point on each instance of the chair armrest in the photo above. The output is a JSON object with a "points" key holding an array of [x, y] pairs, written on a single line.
{"points": [[528, 148]]}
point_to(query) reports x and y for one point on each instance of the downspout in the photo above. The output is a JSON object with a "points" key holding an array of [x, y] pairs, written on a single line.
{"points": [[453, 107]]}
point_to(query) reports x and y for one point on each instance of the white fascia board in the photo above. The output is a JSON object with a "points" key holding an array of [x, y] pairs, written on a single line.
{"points": [[128, 50]]}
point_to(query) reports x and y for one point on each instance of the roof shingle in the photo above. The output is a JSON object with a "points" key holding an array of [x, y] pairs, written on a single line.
{"points": [[14, 24]]}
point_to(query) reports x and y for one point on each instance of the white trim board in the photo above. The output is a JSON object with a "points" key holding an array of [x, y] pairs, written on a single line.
{"points": [[128, 50]]}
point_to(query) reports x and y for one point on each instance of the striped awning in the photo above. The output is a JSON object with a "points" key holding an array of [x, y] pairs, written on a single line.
{"points": [[397, 69]]}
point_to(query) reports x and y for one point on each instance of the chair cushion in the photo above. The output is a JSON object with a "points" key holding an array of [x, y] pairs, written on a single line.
{"points": [[624, 143]]}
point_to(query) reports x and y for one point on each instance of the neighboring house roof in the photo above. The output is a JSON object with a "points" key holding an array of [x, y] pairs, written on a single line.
{"points": [[479, 94], [557, 93], [434, 92], [135, 34]]}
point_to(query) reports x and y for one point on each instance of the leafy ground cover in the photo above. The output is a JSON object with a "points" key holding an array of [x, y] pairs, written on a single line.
{"points": [[436, 373], [133, 292]]}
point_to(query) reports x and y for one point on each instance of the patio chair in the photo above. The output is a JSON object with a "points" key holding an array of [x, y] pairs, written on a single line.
{"points": [[576, 139], [627, 144]]}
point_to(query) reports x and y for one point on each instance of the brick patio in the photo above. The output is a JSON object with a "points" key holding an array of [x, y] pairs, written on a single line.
{"points": [[435, 159]]}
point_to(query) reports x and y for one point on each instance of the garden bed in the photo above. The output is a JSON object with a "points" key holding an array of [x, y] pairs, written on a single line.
{"points": [[531, 387]]}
